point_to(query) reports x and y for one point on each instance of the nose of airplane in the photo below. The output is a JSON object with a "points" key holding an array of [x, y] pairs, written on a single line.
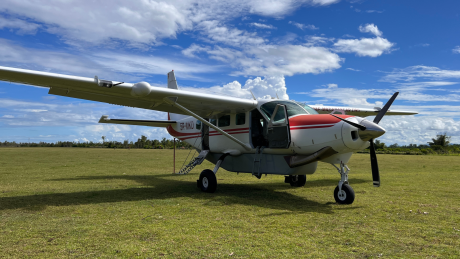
{"points": [[372, 131]]}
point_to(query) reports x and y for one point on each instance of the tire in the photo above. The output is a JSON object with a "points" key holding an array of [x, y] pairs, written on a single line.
{"points": [[298, 180], [347, 197], [207, 181]]}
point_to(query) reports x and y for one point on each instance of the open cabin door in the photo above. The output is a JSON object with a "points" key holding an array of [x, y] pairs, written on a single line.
{"points": [[279, 134], [204, 136]]}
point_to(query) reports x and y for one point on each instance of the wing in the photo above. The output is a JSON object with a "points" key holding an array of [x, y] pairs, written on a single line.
{"points": [[362, 112], [139, 95], [164, 124]]}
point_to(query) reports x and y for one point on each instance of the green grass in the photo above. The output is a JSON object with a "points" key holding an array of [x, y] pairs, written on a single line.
{"points": [[105, 203]]}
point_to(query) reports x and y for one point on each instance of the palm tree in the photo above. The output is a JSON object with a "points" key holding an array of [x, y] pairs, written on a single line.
{"points": [[440, 140]]}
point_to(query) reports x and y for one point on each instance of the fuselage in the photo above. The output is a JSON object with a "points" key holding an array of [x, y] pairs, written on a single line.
{"points": [[308, 132]]}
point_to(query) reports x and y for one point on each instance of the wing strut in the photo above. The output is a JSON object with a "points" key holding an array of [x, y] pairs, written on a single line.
{"points": [[173, 101]]}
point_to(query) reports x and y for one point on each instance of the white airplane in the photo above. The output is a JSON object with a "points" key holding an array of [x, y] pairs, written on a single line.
{"points": [[246, 136]]}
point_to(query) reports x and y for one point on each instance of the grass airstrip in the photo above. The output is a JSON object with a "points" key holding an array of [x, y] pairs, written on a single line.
{"points": [[106, 203]]}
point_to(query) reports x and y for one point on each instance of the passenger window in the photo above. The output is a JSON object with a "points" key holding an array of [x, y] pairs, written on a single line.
{"points": [[213, 121], [240, 118], [198, 125], [224, 121]]}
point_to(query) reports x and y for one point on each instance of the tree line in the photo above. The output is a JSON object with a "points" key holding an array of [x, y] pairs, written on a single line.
{"points": [[142, 142], [439, 145]]}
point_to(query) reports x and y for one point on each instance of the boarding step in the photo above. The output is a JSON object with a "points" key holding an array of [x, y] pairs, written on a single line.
{"points": [[257, 161], [194, 162]]}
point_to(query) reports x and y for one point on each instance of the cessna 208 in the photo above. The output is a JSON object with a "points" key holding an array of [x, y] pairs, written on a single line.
{"points": [[274, 136]]}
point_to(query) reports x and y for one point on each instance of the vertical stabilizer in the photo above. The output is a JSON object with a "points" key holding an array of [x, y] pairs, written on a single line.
{"points": [[172, 83]]}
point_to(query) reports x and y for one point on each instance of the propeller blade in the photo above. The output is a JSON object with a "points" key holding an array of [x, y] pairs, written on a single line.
{"points": [[359, 126], [374, 165], [385, 108]]}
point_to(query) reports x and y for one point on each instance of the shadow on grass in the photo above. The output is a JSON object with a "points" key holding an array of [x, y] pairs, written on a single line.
{"points": [[158, 187]]}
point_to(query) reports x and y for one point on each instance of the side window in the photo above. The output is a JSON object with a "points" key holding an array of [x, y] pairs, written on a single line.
{"points": [[213, 121], [198, 125], [280, 115], [224, 121], [240, 118]]}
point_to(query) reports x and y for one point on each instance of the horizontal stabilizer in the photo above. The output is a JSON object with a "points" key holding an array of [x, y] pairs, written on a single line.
{"points": [[105, 119]]}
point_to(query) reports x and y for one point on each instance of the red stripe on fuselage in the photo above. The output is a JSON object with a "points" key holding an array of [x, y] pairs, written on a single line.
{"points": [[316, 120], [183, 136]]}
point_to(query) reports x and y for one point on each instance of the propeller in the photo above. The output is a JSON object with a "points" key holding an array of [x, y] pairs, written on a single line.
{"points": [[369, 131]]}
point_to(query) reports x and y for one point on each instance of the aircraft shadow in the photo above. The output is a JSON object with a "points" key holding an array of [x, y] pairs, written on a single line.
{"points": [[167, 186]]}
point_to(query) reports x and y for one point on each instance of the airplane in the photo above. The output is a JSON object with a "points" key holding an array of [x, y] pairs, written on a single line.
{"points": [[257, 136]]}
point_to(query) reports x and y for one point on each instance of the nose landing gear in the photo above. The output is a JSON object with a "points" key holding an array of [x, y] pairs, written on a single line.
{"points": [[343, 193]]}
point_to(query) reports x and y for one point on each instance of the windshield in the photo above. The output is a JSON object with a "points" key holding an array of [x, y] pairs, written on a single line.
{"points": [[292, 108], [308, 108]]}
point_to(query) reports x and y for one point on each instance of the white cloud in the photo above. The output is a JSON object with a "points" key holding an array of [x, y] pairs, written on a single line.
{"points": [[359, 97], [128, 63], [97, 22], [263, 26], [137, 21], [374, 11], [278, 60], [141, 24], [282, 7], [372, 47], [417, 129], [291, 59], [268, 87], [104, 64], [317, 40], [285, 60], [371, 28], [218, 33], [80, 119], [194, 48], [352, 69], [456, 50], [304, 26], [418, 86], [22, 26], [419, 72]]}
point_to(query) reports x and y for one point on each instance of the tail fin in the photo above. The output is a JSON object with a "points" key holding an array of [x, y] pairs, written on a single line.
{"points": [[172, 83]]}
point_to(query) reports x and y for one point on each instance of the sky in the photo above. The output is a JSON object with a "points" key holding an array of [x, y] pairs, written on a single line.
{"points": [[353, 53]]}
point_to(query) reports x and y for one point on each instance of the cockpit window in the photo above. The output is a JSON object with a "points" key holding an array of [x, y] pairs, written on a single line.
{"points": [[308, 108], [292, 108]]}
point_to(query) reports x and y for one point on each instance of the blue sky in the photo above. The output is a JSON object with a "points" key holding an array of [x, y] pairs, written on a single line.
{"points": [[329, 52]]}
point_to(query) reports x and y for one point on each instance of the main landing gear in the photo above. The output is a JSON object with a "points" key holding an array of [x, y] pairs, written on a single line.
{"points": [[296, 180], [207, 181], [343, 193]]}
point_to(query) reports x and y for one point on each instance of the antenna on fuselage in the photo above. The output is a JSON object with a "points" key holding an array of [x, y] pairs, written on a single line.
{"points": [[253, 95]]}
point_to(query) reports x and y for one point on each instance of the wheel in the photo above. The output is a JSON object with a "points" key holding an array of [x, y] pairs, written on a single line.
{"points": [[346, 196], [297, 180], [207, 181]]}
